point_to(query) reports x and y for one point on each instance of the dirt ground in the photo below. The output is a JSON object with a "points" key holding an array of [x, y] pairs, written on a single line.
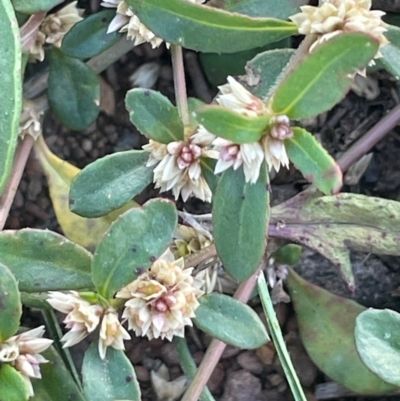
{"points": [[240, 375]]}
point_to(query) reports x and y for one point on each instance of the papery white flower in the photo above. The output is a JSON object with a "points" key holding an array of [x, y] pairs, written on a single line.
{"points": [[162, 301], [250, 155], [179, 170], [202, 137], [23, 353], [234, 96], [112, 333], [157, 152], [36, 52], [82, 317], [56, 25], [336, 16], [30, 120], [166, 389]]}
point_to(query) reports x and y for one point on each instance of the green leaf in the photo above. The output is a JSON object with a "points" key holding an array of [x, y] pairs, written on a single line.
{"points": [[378, 343], [88, 38], [207, 169], [240, 215], [133, 242], [56, 383], [391, 52], [231, 321], [109, 380], [33, 6], [230, 125], [266, 69], [193, 105], [313, 161], [12, 384], [42, 260], [332, 225], [110, 182], [10, 304], [279, 342], [74, 91], [326, 324], [323, 78], [281, 9], [10, 89], [288, 254], [154, 115], [207, 29]]}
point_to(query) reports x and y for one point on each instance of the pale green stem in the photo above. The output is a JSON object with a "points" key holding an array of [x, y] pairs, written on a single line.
{"points": [[279, 342], [180, 84]]}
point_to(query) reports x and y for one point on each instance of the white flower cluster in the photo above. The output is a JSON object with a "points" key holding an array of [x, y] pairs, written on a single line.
{"points": [[23, 353], [179, 167], [127, 21], [336, 16], [53, 29]]}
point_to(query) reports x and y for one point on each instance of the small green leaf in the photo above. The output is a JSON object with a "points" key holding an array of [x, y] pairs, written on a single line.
{"points": [[231, 125], [74, 90], [13, 386], [324, 77], [378, 343], [10, 89], [42, 260], [231, 321], [267, 68], [240, 215], [313, 161], [110, 182], [391, 51], [193, 105], [10, 304], [333, 225], [133, 242], [109, 380], [281, 9], [89, 37], [56, 383], [208, 29], [208, 168], [326, 324], [154, 115], [33, 6], [288, 254]]}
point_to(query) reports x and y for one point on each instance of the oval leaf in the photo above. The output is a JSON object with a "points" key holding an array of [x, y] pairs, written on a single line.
{"points": [[59, 174], [240, 213], [231, 321], [13, 385], [288, 254], [378, 343], [10, 89], [10, 304], [391, 51], [74, 91], [313, 161], [326, 324], [33, 6], [89, 37], [111, 379], [109, 183], [133, 242], [154, 115], [230, 125], [42, 260], [323, 78], [56, 383], [208, 29]]}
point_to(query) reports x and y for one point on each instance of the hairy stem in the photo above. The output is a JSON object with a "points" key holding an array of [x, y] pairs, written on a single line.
{"points": [[369, 140], [180, 83], [21, 157], [216, 348]]}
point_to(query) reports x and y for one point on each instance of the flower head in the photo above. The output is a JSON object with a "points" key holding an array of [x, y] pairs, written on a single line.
{"points": [[179, 169], [36, 52], [162, 301], [337, 16], [23, 353]]}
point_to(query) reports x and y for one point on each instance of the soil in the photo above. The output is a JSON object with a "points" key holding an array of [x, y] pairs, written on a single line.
{"points": [[240, 375]]}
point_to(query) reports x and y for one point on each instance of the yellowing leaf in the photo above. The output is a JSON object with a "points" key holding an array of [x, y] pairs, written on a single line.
{"points": [[59, 173]]}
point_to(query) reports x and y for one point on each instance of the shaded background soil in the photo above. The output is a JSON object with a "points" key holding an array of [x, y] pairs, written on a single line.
{"points": [[240, 375]]}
